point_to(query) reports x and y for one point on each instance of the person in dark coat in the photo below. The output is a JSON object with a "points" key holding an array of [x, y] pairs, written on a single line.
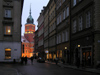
{"points": [[25, 60], [32, 60], [56, 60], [22, 60]]}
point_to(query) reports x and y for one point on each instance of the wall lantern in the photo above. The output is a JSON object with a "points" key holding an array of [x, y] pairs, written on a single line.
{"points": [[65, 47], [46, 51], [78, 45]]}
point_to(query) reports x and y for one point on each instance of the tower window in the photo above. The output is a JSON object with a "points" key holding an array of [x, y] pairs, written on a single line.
{"points": [[32, 28], [27, 28]]}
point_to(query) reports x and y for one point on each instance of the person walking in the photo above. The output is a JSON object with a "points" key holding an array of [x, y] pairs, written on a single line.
{"points": [[32, 60], [25, 60], [56, 60], [22, 60]]}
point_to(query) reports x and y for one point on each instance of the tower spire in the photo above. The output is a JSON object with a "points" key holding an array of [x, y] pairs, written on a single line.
{"points": [[30, 19], [30, 9]]}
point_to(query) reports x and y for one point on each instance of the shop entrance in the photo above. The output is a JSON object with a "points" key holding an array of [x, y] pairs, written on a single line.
{"points": [[86, 56]]}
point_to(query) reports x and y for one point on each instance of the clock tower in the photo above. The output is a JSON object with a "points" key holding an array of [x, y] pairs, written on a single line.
{"points": [[29, 32]]}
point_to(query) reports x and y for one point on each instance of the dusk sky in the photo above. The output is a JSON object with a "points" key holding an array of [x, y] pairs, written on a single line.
{"points": [[36, 7]]}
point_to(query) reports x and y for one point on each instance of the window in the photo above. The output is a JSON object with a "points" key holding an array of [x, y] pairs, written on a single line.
{"points": [[74, 2], [57, 20], [67, 37], [7, 53], [8, 30], [60, 18], [60, 3], [63, 1], [88, 19], [32, 28], [67, 11], [74, 26], [80, 23], [64, 14], [7, 13], [27, 28], [63, 37], [57, 39], [60, 38]]}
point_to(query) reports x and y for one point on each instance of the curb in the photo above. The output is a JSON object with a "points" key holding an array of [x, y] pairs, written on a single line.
{"points": [[80, 69]]}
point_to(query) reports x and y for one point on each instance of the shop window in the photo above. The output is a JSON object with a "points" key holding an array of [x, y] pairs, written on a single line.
{"points": [[7, 53]]}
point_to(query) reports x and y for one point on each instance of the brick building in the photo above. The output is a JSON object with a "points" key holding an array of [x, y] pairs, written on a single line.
{"points": [[28, 36]]}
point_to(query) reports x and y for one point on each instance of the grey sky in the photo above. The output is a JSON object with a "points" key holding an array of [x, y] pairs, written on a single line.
{"points": [[36, 7]]}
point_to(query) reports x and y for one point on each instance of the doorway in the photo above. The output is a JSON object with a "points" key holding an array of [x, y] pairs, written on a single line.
{"points": [[86, 56]]}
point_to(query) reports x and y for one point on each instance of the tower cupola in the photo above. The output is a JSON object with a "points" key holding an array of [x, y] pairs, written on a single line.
{"points": [[30, 20]]}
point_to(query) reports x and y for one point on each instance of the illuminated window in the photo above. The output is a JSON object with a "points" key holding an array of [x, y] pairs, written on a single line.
{"points": [[8, 30], [7, 53], [8, 13], [25, 32], [60, 55]]}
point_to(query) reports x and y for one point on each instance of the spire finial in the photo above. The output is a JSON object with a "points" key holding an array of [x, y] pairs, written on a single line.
{"points": [[30, 8]]}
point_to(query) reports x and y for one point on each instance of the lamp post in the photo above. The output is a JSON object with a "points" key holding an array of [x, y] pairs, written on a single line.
{"points": [[79, 50]]}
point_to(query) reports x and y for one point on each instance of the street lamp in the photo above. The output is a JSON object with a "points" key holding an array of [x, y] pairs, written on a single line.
{"points": [[78, 46], [65, 47]]}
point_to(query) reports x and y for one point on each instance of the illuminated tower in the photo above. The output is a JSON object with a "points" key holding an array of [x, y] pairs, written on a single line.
{"points": [[29, 31]]}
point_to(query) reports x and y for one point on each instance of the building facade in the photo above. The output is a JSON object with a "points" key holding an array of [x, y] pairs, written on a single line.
{"points": [[41, 34], [73, 31], [10, 30], [63, 29], [52, 29], [36, 44], [25, 47], [85, 32], [46, 30]]}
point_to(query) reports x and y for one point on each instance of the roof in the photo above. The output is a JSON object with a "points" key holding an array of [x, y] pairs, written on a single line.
{"points": [[23, 39]]}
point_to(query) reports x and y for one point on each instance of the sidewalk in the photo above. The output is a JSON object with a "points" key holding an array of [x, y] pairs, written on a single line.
{"points": [[8, 71], [93, 70]]}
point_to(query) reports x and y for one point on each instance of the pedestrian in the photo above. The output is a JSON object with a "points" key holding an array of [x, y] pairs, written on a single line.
{"points": [[89, 61], [56, 60], [22, 60], [25, 60], [31, 60]]}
